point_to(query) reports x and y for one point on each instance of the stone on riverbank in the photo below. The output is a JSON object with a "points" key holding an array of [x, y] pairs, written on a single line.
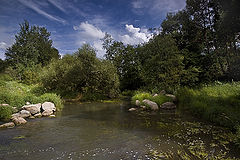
{"points": [[138, 103], [48, 106], [33, 108], [7, 125], [151, 104], [168, 105], [19, 120], [22, 114]]}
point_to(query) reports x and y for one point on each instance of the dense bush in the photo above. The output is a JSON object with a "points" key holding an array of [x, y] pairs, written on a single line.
{"points": [[81, 73], [17, 94], [5, 112]]}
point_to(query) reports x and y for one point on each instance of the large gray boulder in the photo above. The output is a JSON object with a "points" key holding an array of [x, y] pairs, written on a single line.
{"points": [[48, 106], [47, 113], [33, 108], [22, 114], [168, 105], [7, 125], [19, 120], [151, 104]]}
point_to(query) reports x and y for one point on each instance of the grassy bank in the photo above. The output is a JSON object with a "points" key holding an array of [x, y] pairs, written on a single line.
{"points": [[218, 103], [17, 94]]}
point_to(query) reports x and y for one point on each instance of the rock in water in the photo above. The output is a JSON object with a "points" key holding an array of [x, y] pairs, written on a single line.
{"points": [[7, 125], [19, 120], [48, 106], [132, 109], [168, 105], [151, 104], [47, 113], [138, 103], [33, 108], [38, 115], [22, 113], [52, 116]]}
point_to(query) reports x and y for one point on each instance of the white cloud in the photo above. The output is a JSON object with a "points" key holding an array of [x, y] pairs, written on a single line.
{"points": [[3, 45], [37, 9], [136, 36], [88, 33]]}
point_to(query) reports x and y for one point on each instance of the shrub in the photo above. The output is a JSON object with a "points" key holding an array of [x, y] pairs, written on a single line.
{"points": [[52, 97], [5, 112], [92, 76]]}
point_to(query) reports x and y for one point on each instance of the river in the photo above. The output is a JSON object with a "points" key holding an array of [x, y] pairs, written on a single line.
{"points": [[107, 131]]}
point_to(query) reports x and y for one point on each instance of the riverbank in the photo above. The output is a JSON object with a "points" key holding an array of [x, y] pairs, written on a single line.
{"points": [[217, 103], [16, 95]]}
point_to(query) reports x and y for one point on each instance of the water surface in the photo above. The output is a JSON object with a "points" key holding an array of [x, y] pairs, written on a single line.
{"points": [[108, 131]]}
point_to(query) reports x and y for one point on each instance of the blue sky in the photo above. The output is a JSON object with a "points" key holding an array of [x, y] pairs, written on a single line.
{"points": [[75, 22]]}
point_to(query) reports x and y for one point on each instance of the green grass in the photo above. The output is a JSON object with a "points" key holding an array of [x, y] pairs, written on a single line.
{"points": [[17, 94], [160, 99], [218, 103]]}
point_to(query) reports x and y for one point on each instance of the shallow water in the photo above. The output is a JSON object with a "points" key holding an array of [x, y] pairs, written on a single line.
{"points": [[107, 131]]}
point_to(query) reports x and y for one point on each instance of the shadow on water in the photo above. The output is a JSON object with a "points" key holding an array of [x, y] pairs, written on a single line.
{"points": [[109, 131]]}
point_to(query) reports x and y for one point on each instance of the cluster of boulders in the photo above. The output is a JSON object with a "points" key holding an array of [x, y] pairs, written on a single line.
{"points": [[30, 111], [147, 104]]}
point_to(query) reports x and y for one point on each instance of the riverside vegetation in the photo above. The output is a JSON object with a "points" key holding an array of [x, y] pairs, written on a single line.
{"points": [[193, 49]]}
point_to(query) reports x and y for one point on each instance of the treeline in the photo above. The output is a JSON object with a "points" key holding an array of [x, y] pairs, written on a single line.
{"points": [[33, 60], [199, 44]]}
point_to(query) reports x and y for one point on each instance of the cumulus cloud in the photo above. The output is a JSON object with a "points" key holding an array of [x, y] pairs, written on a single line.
{"points": [[88, 33], [136, 35], [89, 30]]}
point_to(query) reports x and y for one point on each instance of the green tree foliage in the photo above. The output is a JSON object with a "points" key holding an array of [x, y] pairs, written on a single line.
{"points": [[126, 60], [81, 73], [32, 46]]}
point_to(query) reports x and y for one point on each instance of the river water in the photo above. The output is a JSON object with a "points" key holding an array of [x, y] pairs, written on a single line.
{"points": [[107, 131]]}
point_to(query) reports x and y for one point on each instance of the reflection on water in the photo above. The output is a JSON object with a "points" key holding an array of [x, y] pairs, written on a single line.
{"points": [[109, 131]]}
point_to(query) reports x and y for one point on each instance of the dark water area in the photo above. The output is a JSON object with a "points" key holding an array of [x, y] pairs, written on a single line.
{"points": [[107, 131]]}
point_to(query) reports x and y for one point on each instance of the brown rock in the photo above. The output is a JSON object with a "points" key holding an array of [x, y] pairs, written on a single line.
{"points": [[168, 105], [7, 125], [47, 113], [19, 120]]}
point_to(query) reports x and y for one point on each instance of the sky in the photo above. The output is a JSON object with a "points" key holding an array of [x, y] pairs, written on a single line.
{"points": [[75, 22]]}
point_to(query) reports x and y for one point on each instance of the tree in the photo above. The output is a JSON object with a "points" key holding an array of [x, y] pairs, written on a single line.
{"points": [[32, 46]]}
